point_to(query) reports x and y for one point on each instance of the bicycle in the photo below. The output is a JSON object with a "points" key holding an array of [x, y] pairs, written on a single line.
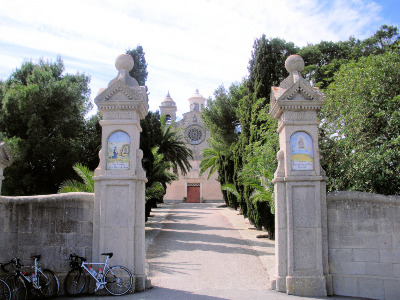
{"points": [[42, 282], [5, 293], [117, 280]]}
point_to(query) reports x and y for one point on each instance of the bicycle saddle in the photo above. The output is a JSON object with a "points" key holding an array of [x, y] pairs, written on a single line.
{"points": [[110, 254], [36, 257]]}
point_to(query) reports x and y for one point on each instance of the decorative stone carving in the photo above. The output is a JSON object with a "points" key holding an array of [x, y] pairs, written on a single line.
{"points": [[280, 170], [195, 134]]}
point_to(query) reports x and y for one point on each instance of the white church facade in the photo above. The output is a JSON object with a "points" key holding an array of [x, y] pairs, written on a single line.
{"points": [[192, 187]]}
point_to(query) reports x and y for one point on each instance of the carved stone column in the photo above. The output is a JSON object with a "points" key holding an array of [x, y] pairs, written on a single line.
{"points": [[118, 221], [300, 188]]}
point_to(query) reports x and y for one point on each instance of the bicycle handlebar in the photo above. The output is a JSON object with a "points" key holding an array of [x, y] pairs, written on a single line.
{"points": [[2, 266], [73, 255], [15, 261]]}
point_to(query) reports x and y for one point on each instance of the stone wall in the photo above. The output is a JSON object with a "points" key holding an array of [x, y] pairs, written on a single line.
{"points": [[364, 244], [51, 225]]}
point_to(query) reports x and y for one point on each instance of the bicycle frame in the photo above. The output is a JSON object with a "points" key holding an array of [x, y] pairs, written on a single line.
{"points": [[117, 280], [33, 279], [100, 282]]}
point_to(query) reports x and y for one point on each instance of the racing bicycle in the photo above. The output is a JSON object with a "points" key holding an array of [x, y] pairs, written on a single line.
{"points": [[42, 282], [116, 280]]}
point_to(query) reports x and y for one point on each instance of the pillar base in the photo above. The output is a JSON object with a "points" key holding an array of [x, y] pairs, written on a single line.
{"points": [[329, 285], [280, 284], [142, 283], [310, 286]]}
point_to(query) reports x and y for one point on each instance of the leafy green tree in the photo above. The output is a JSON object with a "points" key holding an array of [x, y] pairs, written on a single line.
{"points": [[266, 69], [220, 117], [382, 41], [91, 142], [222, 122], [139, 71], [361, 126], [323, 60], [42, 118], [267, 65]]}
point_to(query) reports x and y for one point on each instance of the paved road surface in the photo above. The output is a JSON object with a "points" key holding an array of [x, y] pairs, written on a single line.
{"points": [[199, 253], [202, 251]]}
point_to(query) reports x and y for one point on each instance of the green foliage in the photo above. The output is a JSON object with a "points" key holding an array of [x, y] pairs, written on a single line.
{"points": [[161, 168], [231, 188], [210, 162], [255, 152], [173, 148], [155, 191], [91, 141], [139, 71], [42, 118], [361, 128], [247, 149], [220, 117], [224, 127], [87, 186], [226, 173], [323, 60], [266, 66], [163, 150], [160, 176]]}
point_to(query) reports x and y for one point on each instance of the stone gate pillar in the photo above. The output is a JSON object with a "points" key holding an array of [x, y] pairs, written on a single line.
{"points": [[118, 216], [301, 248]]}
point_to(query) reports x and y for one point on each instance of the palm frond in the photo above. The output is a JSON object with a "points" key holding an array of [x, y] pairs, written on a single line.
{"points": [[70, 186], [87, 186], [232, 189], [86, 175], [156, 190], [210, 162]]}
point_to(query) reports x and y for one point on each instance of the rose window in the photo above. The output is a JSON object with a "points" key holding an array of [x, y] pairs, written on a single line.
{"points": [[194, 134]]}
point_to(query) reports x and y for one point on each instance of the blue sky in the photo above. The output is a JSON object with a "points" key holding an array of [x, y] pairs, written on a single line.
{"points": [[189, 44]]}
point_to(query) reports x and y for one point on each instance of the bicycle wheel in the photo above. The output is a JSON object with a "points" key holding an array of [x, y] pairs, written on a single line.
{"points": [[119, 280], [48, 282], [75, 282], [5, 293], [17, 287]]}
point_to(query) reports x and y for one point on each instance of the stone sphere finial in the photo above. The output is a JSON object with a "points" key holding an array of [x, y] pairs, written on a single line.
{"points": [[294, 63], [124, 62]]}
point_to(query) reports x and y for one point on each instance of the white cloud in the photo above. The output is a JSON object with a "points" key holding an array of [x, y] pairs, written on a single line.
{"points": [[188, 44]]}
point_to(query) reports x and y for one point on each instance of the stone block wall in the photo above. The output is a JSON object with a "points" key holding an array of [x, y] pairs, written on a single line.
{"points": [[51, 225], [364, 244]]}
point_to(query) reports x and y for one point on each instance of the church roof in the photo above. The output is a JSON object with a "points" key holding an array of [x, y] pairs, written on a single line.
{"points": [[197, 97], [168, 101]]}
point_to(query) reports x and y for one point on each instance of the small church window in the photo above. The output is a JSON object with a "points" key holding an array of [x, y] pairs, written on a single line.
{"points": [[196, 107], [169, 119], [202, 107]]}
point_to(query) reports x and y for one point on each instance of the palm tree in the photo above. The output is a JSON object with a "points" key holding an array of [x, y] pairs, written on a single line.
{"points": [[160, 176], [173, 148], [86, 186], [210, 162]]}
